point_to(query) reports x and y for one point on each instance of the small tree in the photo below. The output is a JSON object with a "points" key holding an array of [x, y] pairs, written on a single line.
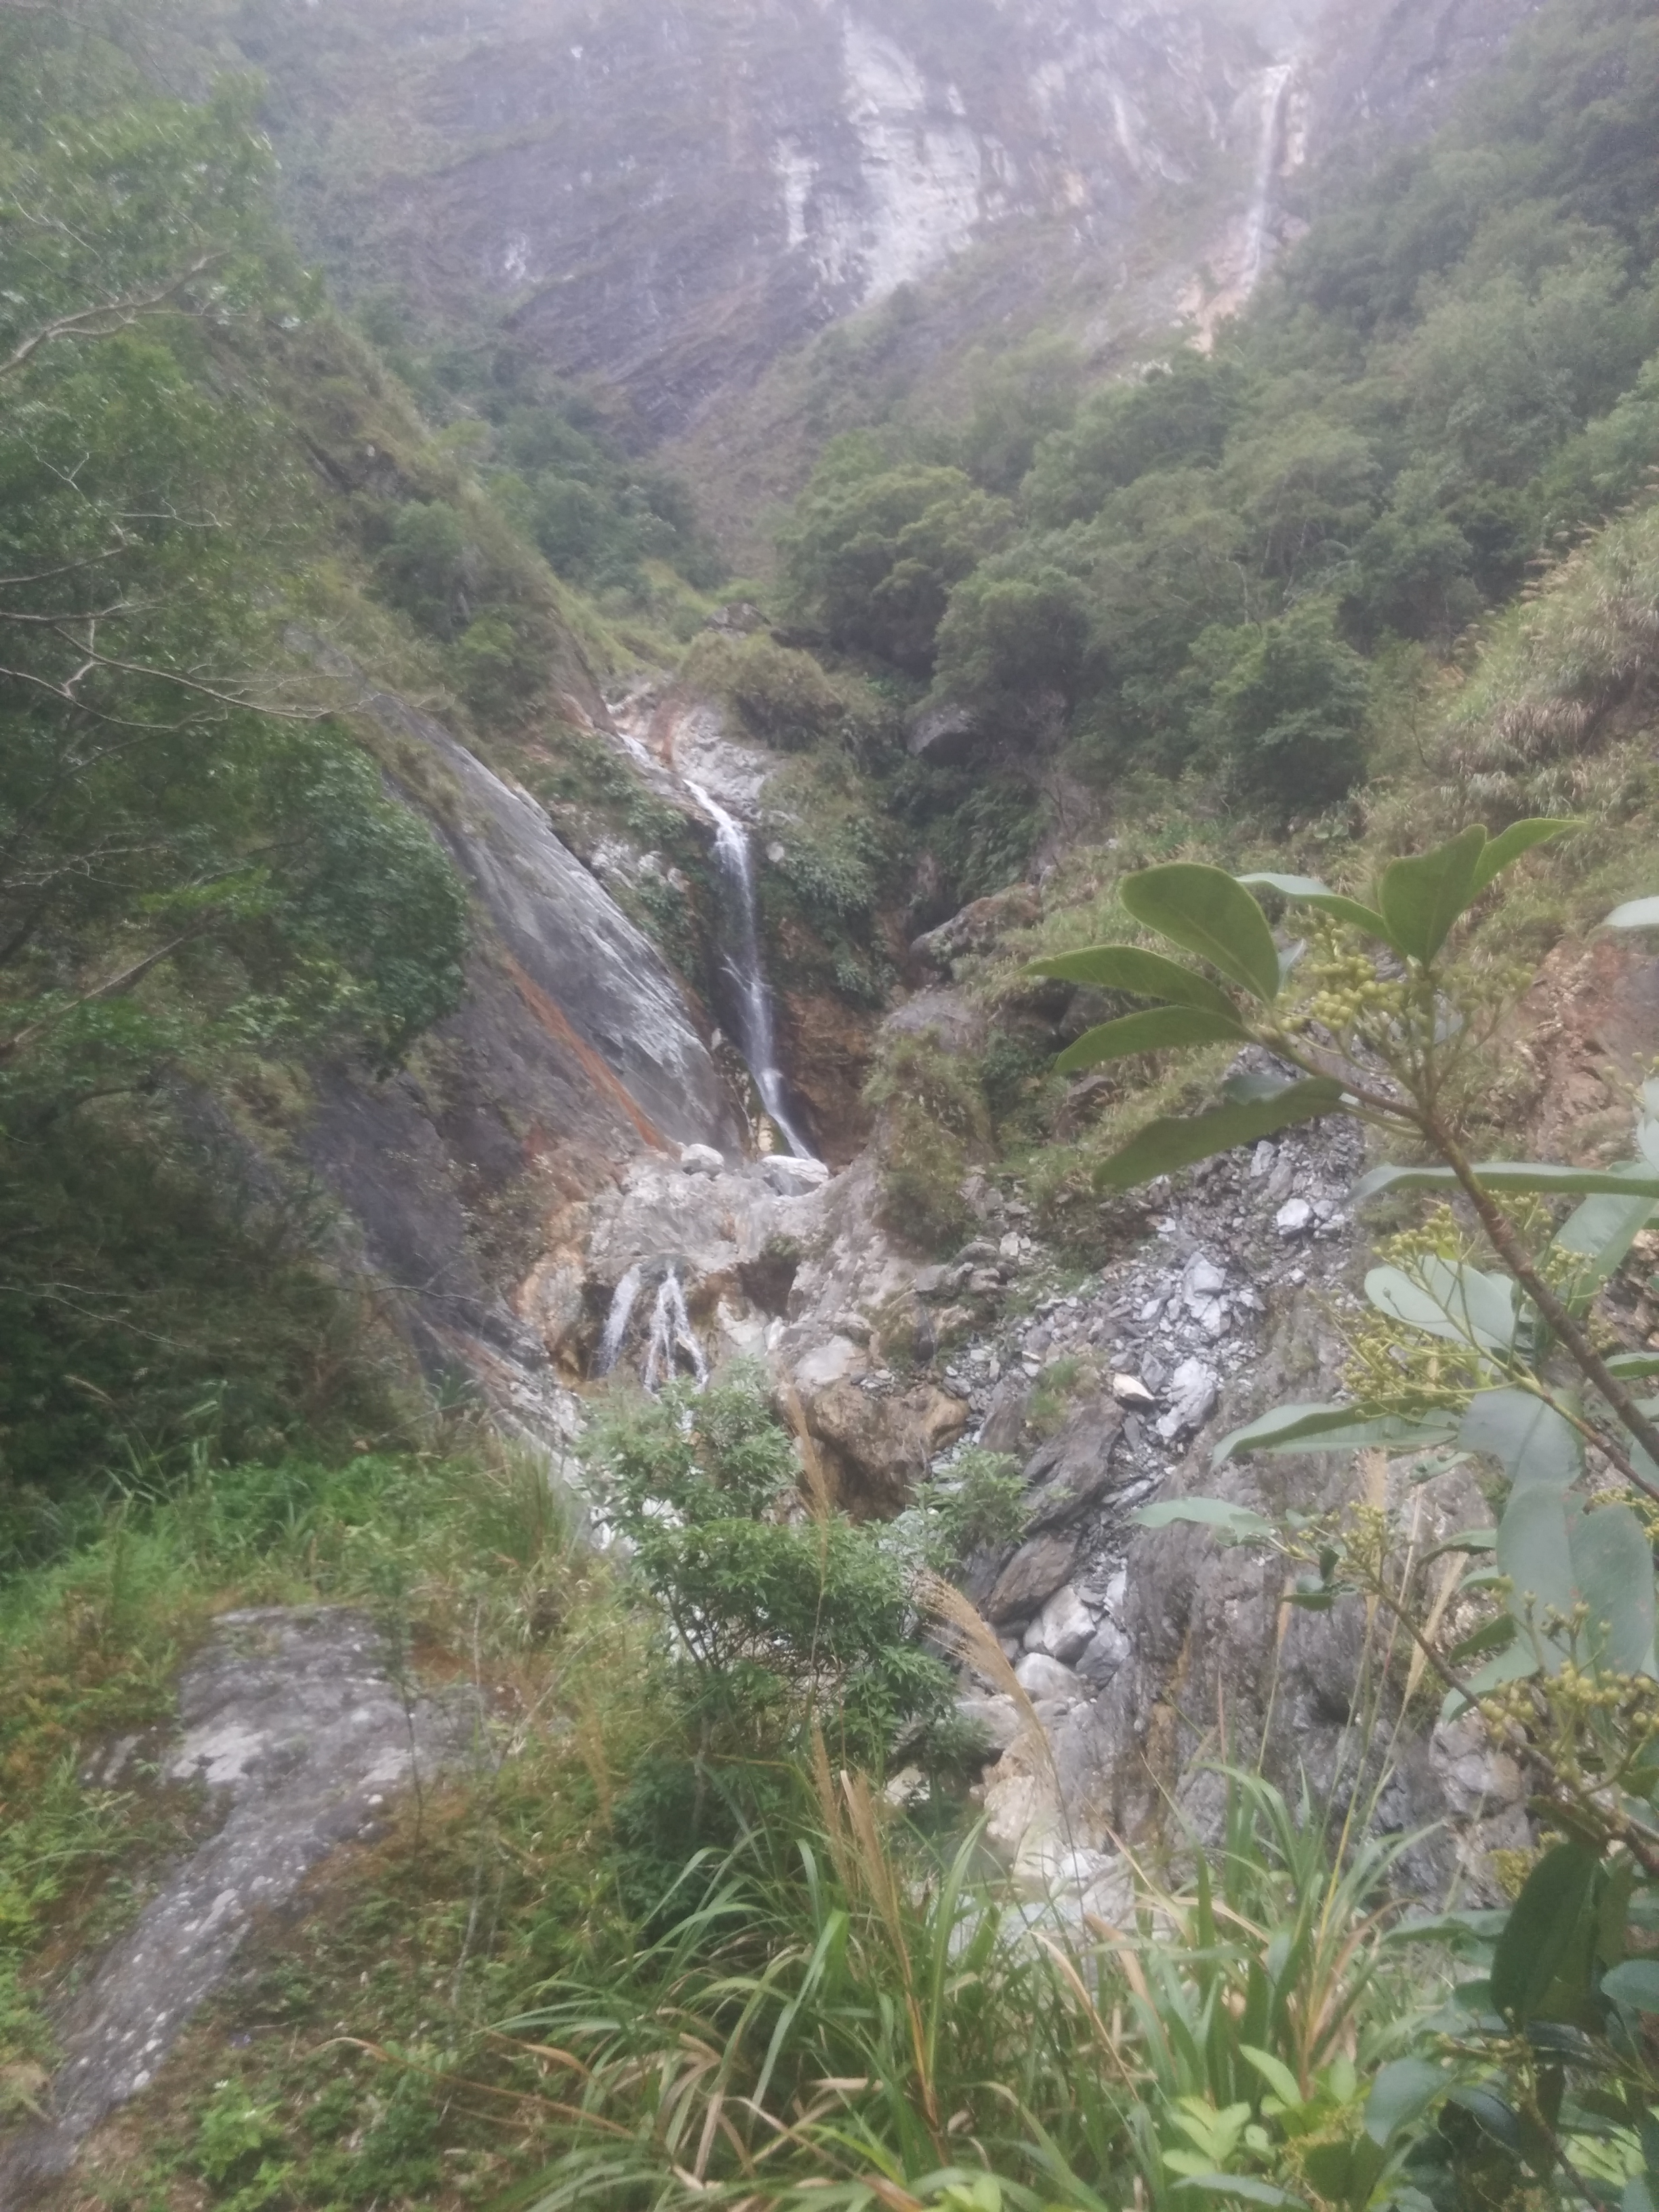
{"points": [[785, 1620], [1286, 706]]}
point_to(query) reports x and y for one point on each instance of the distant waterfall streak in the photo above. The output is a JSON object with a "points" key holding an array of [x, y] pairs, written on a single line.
{"points": [[758, 1036], [1275, 90], [671, 1333], [622, 1302]]}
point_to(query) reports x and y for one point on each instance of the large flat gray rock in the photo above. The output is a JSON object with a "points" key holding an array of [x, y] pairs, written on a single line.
{"points": [[291, 1720]]}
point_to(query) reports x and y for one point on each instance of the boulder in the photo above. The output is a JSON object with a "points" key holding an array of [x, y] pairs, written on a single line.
{"points": [[701, 1160], [1032, 1575], [1040, 1676], [877, 1449], [1004, 1427], [979, 925], [791, 1177], [1000, 1719], [1066, 1476], [956, 1024], [1103, 1654], [1063, 1628], [941, 731], [1193, 1388]]}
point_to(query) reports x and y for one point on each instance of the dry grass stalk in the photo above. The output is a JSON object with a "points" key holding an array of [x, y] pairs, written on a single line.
{"points": [[972, 1640], [820, 1490]]}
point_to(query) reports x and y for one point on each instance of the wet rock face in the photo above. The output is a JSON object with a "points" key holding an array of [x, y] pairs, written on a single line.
{"points": [[1400, 68], [672, 195], [294, 1727], [572, 1052]]}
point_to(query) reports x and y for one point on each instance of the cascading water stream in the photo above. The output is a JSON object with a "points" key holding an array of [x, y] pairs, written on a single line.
{"points": [[756, 1036], [1275, 90], [623, 1299], [671, 1333]]}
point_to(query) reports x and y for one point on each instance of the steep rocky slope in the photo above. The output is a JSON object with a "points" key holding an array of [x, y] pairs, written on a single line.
{"points": [[672, 195]]}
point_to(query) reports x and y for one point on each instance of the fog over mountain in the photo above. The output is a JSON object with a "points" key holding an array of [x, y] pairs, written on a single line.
{"points": [[671, 193]]}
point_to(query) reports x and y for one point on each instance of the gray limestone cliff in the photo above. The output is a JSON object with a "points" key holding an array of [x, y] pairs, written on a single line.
{"points": [[671, 193]]}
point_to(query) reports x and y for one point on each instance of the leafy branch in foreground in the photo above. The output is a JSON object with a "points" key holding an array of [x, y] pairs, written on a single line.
{"points": [[1381, 1028], [1550, 1637]]}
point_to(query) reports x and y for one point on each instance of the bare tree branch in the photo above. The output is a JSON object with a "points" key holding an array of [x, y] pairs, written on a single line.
{"points": [[104, 322]]}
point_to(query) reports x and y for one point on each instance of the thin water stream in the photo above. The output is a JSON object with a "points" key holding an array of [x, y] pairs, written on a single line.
{"points": [[740, 955], [1275, 91]]}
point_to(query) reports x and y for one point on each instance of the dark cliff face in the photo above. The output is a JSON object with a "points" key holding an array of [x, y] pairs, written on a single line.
{"points": [[672, 192]]}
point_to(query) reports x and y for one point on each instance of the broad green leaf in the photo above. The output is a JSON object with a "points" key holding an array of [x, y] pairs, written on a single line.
{"points": [[1452, 1301], [1518, 1177], [1635, 913], [1533, 1441], [1308, 891], [1248, 1087], [1141, 974], [1496, 1636], [1204, 911], [1241, 2184], [1486, 2106], [1335, 1428], [1551, 1916], [1236, 1522], [1631, 1366], [1165, 1144], [1612, 1568], [1402, 2092], [1534, 1551], [1275, 2073], [1343, 2173], [1501, 851], [1601, 1230], [1421, 898], [1638, 2194], [1158, 1029], [1635, 1984]]}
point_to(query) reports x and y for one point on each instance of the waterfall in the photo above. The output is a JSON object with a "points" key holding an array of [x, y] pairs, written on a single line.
{"points": [[1275, 88], [756, 1035], [622, 1302], [671, 1333]]}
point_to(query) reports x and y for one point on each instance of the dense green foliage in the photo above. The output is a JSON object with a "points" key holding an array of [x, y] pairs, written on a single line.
{"points": [[1458, 363], [784, 1622], [562, 461], [201, 873], [671, 1938], [1516, 1365]]}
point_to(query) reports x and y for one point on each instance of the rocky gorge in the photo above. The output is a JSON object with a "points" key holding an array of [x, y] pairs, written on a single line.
{"points": [[747, 1077]]}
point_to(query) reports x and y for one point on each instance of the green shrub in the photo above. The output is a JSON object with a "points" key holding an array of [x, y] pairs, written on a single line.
{"points": [[782, 694], [933, 1123], [1287, 705], [782, 1625], [977, 1505]]}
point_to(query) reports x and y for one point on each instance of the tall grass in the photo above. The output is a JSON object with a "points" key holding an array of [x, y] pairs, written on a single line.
{"points": [[843, 2017]]}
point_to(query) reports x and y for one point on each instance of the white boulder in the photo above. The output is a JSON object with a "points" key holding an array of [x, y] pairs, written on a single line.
{"points": [[791, 1177]]}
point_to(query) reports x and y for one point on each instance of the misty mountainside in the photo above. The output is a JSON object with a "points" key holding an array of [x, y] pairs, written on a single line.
{"points": [[670, 195], [829, 1158]]}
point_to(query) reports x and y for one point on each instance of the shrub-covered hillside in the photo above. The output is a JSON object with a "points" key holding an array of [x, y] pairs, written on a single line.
{"points": [[1237, 563]]}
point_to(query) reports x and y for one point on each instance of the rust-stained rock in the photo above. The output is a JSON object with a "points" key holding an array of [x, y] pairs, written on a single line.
{"points": [[878, 1447]]}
